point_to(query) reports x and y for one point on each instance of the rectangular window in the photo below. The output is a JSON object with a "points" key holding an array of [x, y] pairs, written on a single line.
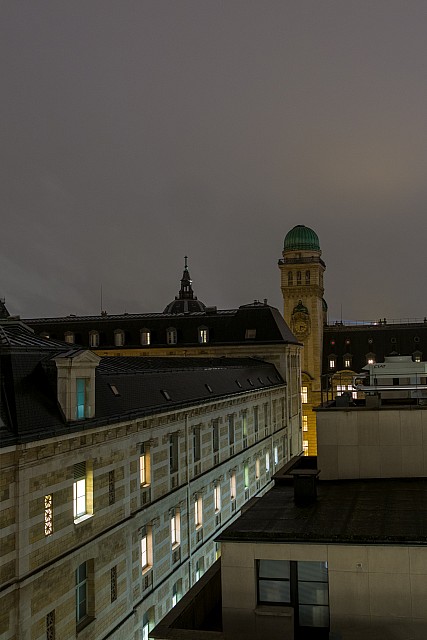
{"points": [[145, 465], [246, 475], [145, 337], [146, 549], [148, 623], [196, 444], [305, 423], [175, 528], [176, 592], [215, 435], [256, 420], [304, 395], [82, 610], [48, 515], [276, 455], [173, 452], [347, 362], [274, 582], [257, 469], [231, 429], [203, 335], [233, 486], [332, 363], [50, 625], [267, 462], [200, 567], [265, 415], [113, 583], [244, 425], [217, 497], [81, 490], [305, 447], [82, 398], [198, 512]]}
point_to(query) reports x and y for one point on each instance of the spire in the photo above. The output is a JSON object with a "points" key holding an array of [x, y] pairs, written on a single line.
{"points": [[186, 291], [4, 313]]}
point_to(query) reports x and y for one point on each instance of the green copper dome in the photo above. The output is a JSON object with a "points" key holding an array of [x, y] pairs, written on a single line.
{"points": [[301, 237]]}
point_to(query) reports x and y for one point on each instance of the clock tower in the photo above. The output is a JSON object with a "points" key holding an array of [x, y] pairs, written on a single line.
{"points": [[304, 309]]}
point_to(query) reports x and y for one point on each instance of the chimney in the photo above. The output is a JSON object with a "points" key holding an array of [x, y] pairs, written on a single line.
{"points": [[305, 486]]}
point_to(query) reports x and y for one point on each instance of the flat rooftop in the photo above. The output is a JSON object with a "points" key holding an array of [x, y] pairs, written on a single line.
{"points": [[386, 511]]}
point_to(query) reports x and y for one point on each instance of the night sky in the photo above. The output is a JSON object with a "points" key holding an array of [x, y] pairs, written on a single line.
{"points": [[136, 132]]}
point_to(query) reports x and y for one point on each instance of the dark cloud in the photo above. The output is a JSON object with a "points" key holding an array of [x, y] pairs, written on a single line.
{"points": [[137, 132]]}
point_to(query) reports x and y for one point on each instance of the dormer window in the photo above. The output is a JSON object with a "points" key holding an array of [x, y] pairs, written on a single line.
{"points": [[417, 356], [76, 384], [145, 336], [370, 358], [250, 334], [69, 337], [119, 338], [347, 360], [93, 339], [332, 360], [203, 333], [171, 335]]}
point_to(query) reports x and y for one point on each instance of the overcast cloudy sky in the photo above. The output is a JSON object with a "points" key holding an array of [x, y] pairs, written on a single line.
{"points": [[134, 132]]}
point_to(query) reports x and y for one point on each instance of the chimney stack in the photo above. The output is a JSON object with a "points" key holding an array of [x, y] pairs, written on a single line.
{"points": [[305, 486]]}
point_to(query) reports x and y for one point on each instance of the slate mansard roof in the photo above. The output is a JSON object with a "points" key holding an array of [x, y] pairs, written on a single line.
{"points": [[225, 327], [29, 406]]}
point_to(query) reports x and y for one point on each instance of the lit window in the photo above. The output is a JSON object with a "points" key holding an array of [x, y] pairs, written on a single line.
{"points": [[267, 462], [147, 624], [175, 528], [246, 475], [146, 549], [305, 447], [203, 333], [145, 465], [332, 362], [82, 490], [347, 362], [217, 497], [257, 469], [119, 338], [304, 395], [417, 356], [244, 425], [69, 337], [233, 486], [48, 515], [305, 423], [198, 513], [82, 398], [94, 339], [171, 335], [276, 456], [145, 336]]}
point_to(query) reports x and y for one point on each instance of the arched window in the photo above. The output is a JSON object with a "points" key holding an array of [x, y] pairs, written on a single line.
{"points": [[171, 335], [290, 278], [119, 338], [145, 336], [93, 339], [307, 277]]}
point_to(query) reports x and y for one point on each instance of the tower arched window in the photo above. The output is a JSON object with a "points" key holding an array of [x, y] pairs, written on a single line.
{"points": [[119, 338], [307, 277], [290, 278], [298, 277], [171, 335]]}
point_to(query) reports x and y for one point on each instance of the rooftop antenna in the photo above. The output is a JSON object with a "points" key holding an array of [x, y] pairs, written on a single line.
{"points": [[185, 263]]}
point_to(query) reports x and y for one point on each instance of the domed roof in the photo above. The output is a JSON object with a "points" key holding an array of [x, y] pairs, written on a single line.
{"points": [[185, 301], [301, 237]]}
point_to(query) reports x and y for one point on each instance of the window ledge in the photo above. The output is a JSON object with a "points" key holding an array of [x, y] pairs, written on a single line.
{"points": [[276, 610], [176, 545], [84, 623], [146, 569], [82, 518]]}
